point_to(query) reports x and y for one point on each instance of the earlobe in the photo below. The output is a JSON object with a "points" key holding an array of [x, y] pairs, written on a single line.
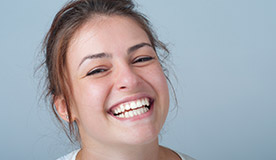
{"points": [[61, 108]]}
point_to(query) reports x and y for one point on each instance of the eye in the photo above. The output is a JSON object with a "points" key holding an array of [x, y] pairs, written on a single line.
{"points": [[142, 59], [96, 71]]}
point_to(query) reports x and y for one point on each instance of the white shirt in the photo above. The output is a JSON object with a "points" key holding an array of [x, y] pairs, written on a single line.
{"points": [[72, 156]]}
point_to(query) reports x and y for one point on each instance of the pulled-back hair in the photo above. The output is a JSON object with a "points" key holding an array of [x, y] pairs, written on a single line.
{"points": [[66, 22]]}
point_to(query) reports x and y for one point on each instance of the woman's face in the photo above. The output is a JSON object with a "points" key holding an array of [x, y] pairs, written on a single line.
{"points": [[119, 91]]}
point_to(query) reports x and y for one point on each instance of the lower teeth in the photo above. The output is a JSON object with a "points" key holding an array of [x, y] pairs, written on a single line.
{"points": [[133, 113]]}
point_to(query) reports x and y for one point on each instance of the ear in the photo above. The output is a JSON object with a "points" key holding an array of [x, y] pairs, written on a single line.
{"points": [[61, 107]]}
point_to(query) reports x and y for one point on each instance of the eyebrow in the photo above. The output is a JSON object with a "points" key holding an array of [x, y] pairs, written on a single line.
{"points": [[106, 55], [95, 56], [137, 46]]}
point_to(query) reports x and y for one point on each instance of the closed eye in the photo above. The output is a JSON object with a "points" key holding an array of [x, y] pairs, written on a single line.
{"points": [[96, 71], [142, 59]]}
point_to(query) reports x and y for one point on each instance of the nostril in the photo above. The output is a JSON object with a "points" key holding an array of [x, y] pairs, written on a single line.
{"points": [[122, 87]]}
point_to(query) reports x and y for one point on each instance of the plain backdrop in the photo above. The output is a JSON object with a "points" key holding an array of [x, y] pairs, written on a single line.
{"points": [[223, 54]]}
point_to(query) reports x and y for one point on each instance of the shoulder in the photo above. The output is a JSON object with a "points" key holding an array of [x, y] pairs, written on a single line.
{"points": [[70, 156], [172, 154], [184, 156]]}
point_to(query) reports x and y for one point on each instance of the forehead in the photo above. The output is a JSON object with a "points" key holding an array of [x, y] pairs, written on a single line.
{"points": [[107, 33]]}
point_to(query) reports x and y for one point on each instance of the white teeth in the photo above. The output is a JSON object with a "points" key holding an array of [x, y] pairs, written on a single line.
{"points": [[143, 110], [143, 102], [133, 105], [131, 109], [127, 114], [115, 111], [135, 112], [139, 103], [119, 110], [138, 111], [147, 101], [131, 113], [146, 109], [127, 106], [122, 108]]}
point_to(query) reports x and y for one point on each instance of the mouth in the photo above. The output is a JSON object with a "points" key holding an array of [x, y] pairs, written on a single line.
{"points": [[133, 108]]}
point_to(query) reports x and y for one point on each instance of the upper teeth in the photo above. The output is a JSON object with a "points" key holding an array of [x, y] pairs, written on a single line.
{"points": [[131, 105]]}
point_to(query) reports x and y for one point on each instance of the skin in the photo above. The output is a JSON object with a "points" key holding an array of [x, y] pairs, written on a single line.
{"points": [[106, 68]]}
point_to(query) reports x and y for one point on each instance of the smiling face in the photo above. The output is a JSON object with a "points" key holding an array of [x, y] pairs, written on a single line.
{"points": [[119, 91]]}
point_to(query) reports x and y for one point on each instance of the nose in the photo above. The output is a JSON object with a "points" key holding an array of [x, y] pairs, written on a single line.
{"points": [[127, 78]]}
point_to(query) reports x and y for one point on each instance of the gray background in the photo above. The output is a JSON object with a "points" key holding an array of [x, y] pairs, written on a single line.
{"points": [[223, 54]]}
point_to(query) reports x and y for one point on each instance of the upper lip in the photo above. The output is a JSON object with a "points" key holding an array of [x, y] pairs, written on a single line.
{"points": [[130, 98]]}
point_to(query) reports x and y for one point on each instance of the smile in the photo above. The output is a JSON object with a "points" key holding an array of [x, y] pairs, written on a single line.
{"points": [[132, 108]]}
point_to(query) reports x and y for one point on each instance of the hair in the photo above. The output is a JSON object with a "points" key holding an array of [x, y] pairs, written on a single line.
{"points": [[56, 42]]}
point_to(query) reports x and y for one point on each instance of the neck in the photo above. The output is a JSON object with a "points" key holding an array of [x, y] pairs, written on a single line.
{"points": [[150, 151]]}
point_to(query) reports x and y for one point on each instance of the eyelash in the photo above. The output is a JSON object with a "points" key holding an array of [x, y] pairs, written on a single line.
{"points": [[143, 59], [100, 70], [96, 71]]}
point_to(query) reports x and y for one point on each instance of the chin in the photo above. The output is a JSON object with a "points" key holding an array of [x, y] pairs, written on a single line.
{"points": [[144, 135]]}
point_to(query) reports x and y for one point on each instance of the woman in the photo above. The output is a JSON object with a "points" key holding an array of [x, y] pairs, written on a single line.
{"points": [[106, 82]]}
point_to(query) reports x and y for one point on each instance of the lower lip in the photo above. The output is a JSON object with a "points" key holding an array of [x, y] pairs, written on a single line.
{"points": [[139, 117]]}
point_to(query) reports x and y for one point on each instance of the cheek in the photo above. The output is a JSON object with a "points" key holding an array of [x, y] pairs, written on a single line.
{"points": [[90, 96], [89, 99], [155, 77], [159, 81]]}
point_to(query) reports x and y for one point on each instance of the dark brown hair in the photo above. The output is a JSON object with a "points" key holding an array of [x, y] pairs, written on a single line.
{"points": [[66, 22]]}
